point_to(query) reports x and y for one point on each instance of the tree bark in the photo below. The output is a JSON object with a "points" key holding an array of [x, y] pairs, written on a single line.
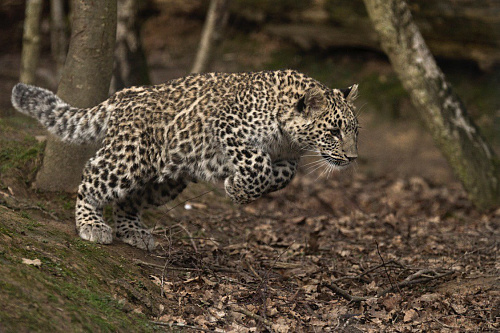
{"points": [[212, 32], [84, 83], [469, 155], [58, 34], [31, 41], [130, 66]]}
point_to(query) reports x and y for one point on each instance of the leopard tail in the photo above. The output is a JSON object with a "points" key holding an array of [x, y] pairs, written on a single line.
{"points": [[71, 124]]}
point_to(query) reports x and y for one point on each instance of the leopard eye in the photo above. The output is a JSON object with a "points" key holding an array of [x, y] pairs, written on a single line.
{"points": [[335, 132]]}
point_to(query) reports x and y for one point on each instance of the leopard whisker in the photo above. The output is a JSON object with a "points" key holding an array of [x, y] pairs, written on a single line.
{"points": [[360, 110], [329, 172], [312, 163], [322, 173], [316, 167], [313, 169]]}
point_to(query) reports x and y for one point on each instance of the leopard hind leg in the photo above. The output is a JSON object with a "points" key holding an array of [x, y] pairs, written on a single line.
{"points": [[128, 212]]}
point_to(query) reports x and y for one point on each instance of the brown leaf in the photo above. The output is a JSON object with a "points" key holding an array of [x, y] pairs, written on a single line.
{"points": [[297, 220], [410, 315], [459, 309], [390, 303]]}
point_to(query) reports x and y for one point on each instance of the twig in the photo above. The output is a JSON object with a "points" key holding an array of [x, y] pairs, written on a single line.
{"points": [[410, 282], [418, 273], [443, 324], [42, 210], [185, 269], [266, 275], [183, 202], [252, 270], [368, 271], [189, 235], [381, 265], [171, 325], [344, 293], [264, 281], [384, 265], [255, 316], [17, 204]]}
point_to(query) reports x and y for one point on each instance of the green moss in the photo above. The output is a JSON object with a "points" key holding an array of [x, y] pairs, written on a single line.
{"points": [[19, 159], [70, 291], [6, 231], [15, 154]]}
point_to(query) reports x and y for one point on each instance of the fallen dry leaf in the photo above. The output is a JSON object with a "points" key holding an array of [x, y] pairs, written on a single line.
{"points": [[410, 315], [34, 262], [459, 308]]}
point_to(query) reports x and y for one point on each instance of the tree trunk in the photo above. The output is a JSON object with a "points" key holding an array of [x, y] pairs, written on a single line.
{"points": [[130, 66], [212, 32], [84, 83], [31, 41], [58, 35], [455, 134]]}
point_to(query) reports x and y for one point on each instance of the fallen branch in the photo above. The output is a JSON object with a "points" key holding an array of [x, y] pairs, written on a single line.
{"points": [[414, 279], [252, 315], [161, 267], [344, 293], [368, 271], [186, 269], [172, 325]]}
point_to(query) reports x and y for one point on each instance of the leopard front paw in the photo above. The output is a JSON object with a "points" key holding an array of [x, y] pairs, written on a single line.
{"points": [[97, 232], [236, 193]]}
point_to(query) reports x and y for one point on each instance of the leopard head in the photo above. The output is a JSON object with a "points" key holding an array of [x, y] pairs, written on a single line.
{"points": [[326, 123]]}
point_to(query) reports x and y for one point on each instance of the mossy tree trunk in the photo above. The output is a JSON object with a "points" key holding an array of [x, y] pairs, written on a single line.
{"points": [[455, 134], [211, 35], [31, 41], [84, 83]]}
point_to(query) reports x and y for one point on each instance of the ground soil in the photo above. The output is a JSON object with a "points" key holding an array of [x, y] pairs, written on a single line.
{"points": [[391, 244]]}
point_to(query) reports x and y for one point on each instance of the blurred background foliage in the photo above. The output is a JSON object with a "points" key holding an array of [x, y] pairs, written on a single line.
{"points": [[331, 40]]}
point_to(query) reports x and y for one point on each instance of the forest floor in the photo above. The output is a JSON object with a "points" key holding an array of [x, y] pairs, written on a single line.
{"points": [[347, 253], [392, 244]]}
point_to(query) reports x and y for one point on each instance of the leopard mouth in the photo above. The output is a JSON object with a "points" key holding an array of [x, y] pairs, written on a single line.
{"points": [[337, 162]]}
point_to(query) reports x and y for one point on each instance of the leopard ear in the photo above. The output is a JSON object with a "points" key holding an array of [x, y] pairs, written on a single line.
{"points": [[351, 93], [312, 101]]}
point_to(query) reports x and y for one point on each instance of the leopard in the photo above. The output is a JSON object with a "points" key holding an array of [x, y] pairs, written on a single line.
{"points": [[247, 130]]}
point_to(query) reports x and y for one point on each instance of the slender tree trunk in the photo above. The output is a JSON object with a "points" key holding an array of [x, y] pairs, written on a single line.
{"points": [[31, 41], [84, 83], [130, 66], [58, 34], [212, 32], [455, 134]]}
